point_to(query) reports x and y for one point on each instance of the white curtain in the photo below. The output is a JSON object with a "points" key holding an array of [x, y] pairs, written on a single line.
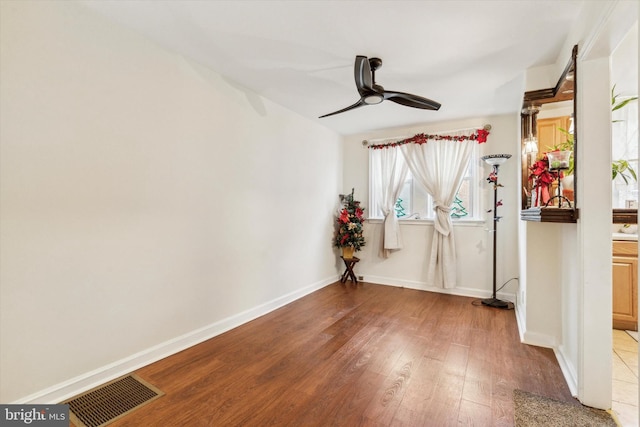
{"points": [[393, 172], [439, 166]]}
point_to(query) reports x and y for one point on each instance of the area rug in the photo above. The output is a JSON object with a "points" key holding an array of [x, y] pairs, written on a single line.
{"points": [[534, 410]]}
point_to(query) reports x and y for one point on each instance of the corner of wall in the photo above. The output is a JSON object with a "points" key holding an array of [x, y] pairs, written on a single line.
{"points": [[568, 370]]}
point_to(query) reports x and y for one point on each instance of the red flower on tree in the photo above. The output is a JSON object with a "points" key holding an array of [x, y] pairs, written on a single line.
{"points": [[344, 216]]}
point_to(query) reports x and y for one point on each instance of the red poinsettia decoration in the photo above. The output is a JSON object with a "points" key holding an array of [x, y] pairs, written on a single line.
{"points": [[482, 136], [344, 216]]}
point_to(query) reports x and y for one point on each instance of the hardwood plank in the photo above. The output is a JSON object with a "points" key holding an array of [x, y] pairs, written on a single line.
{"points": [[388, 397], [477, 385], [421, 389], [369, 355], [343, 362], [478, 390], [455, 362], [474, 414], [443, 409]]}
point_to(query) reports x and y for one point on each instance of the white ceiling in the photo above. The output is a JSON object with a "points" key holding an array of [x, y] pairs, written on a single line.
{"points": [[468, 55]]}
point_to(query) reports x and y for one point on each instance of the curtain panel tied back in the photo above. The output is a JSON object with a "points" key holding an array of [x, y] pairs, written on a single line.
{"points": [[438, 164], [393, 171]]}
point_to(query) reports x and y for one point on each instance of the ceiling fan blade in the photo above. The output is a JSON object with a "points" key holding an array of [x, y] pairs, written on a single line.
{"points": [[362, 71], [410, 100], [360, 103]]}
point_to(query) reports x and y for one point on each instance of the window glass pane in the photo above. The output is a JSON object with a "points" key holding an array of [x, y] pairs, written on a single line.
{"points": [[421, 202], [461, 206], [623, 194]]}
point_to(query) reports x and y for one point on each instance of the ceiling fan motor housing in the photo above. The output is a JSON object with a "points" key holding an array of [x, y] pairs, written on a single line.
{"points": [[375, 63]]}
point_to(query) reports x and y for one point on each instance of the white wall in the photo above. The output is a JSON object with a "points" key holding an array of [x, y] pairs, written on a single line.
{"points": [[473, 242], [146, 202], [542, 317]]}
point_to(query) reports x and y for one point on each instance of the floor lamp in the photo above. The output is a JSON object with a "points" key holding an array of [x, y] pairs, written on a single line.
{"points": [[495, 160]]}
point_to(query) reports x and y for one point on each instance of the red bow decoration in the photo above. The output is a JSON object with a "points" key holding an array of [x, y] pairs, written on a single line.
{"points": [[540, 172]]}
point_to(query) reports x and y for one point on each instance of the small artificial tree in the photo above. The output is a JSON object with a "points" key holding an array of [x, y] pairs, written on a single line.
{"points": [[399, 209], [350, 222], [457, 210]]}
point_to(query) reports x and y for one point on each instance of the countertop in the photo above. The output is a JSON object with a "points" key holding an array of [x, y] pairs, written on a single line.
{"points": [[624, 236]]}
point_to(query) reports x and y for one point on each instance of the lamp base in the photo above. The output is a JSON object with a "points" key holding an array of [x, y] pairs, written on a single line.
{"points": [[496, 303]]}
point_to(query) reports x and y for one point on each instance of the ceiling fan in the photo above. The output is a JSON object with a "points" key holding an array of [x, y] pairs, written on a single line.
{"points": [[372, 93]]}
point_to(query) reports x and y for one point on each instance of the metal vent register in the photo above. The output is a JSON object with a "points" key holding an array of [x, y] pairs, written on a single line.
{"points": [[109, 402]]}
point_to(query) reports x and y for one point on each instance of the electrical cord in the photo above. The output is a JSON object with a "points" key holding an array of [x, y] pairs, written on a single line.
{"points": [[507, 282], [478, 302]]}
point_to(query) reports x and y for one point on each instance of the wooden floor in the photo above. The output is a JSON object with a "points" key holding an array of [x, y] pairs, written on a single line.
{"points": [[347, 356]]}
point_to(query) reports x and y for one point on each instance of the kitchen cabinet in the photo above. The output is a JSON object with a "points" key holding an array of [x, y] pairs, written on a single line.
{"points": [[549, 134], [625, 285]]}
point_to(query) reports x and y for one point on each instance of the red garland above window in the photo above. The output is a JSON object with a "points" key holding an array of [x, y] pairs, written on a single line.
{"points": [[480, 135]]}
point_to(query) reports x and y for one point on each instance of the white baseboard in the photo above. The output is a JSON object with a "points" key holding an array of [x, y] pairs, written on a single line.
{"points": [[520, 321], [540, 340], [568, 370], [543, 340], [89, 380], [422, 286], [533, 338]]}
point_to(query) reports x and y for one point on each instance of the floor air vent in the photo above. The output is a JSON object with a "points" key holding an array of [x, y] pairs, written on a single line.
{"points": [[109, 402]]}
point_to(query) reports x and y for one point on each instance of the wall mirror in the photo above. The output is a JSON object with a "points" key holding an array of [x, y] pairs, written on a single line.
{"points": [[549, 145]]}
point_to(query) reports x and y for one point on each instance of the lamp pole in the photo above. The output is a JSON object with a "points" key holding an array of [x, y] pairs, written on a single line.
{"points": [[495, 160]]}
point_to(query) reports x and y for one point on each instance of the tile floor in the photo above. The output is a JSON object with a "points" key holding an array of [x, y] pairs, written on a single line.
{"points": [[625, 378]]}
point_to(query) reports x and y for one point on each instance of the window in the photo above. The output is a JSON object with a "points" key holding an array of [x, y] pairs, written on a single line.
{"points": [[414, 202], [625, 193], [624, 138]]}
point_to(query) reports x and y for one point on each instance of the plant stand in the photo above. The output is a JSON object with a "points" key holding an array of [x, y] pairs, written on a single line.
{"points": [[349, 263]]}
